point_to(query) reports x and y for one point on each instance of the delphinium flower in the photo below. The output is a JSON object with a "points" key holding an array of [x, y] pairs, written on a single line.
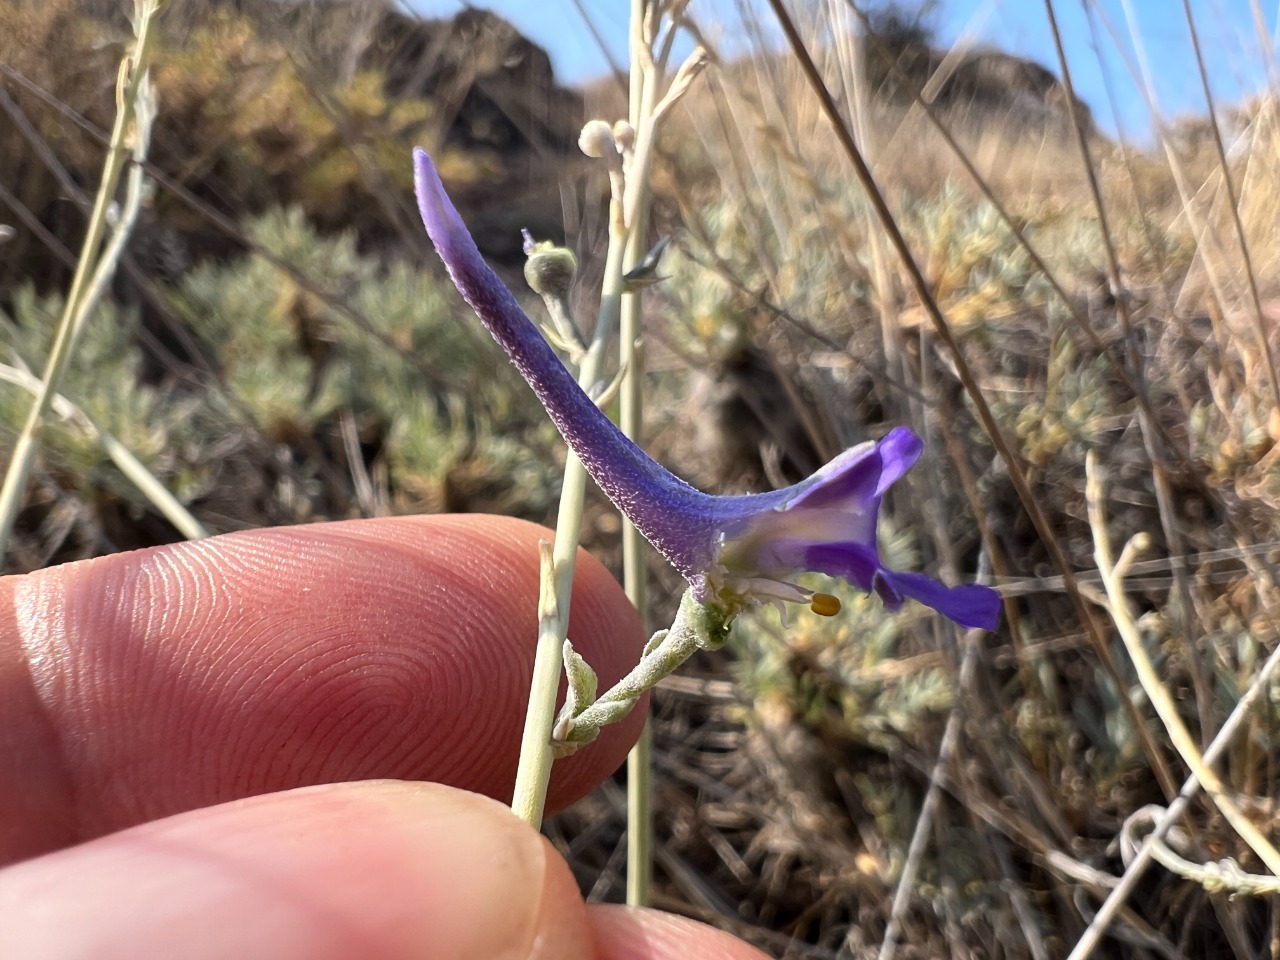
{"points": [[735, 551]]}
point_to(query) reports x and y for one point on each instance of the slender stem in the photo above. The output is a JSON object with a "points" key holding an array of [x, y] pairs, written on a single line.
{"points": [[644, 86], [640, 818], [1113, 572], [136, 192], [129, 134], [534, 772]]}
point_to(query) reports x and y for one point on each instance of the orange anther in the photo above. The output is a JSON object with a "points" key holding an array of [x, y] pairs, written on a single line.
{"points": [[824, 605]]}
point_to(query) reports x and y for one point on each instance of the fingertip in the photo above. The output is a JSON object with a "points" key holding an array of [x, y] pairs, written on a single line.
{"points": [[633, 933], [193, 674], [378, 869]]}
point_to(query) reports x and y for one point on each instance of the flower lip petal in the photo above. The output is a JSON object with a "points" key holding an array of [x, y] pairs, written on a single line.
{"points": [[857, 563], [970, 605]]}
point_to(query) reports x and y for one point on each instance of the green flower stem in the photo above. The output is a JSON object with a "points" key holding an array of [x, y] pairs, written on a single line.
{"points": [[644, 87], [640, 810], [646, 113], [129, 136], [628, 215], [635, 581], [696, 627], [534, 770]]}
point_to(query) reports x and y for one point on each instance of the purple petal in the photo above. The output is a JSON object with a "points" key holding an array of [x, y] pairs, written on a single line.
{"points": [[862, 473], [971, 605], [685, 525], [857, 563], [678, 520], [898, 451]]}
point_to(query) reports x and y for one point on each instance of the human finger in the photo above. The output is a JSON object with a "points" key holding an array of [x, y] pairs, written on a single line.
{"points": [[375, 869], [381, 869], [632, 933], [140, 685]]}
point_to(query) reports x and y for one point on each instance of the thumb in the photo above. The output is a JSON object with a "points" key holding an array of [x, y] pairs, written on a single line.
{"points": [[374, 869]]}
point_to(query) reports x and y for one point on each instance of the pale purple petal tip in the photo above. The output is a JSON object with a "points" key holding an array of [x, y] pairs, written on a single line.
{"points": [[898, 451], [864, 472], [970, 605], [438, 213]]}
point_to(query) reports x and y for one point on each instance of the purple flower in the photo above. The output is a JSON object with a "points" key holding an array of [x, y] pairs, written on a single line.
{"points": [[734, 551]]}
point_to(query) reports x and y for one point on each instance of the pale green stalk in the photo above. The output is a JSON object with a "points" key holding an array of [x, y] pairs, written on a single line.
{"points": [[529, 799], [639, 796], [129, 135], [634, 571], [696, 627], [644, 86]]}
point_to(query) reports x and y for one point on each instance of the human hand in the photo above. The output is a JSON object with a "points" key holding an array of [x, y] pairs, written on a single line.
{"points": [[203, 677]]}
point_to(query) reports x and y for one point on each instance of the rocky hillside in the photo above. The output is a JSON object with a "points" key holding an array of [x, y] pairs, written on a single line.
{"points": [[267, 104]]}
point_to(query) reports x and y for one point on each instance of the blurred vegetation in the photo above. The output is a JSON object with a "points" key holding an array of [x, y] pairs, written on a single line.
{"points": [[801, 323], [273, 350], [281, 348], [313, 417]]}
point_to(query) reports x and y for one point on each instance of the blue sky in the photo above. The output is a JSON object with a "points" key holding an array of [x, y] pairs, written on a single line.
{"points": [[1228, 36]]}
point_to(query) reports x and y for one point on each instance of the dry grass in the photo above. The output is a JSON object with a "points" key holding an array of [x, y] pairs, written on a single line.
{"points": [[799, 811]]}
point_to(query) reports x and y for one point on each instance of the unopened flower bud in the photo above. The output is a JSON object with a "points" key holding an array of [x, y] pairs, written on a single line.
{"points": [[624, 135], [549, 270], [596, 140]]}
